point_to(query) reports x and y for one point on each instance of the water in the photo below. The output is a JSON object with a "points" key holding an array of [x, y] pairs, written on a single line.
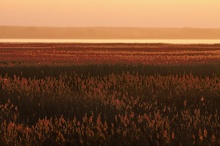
{"points": [[169, 41]]}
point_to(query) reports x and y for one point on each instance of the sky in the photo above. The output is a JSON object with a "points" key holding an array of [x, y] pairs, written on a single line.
{"points": [[111, 13]]}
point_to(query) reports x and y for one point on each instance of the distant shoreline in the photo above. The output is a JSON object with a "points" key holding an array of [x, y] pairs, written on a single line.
{"points": [[22, 32]]}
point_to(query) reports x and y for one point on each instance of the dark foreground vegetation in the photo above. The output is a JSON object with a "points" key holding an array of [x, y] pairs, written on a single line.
{"points": [[110, 105]]}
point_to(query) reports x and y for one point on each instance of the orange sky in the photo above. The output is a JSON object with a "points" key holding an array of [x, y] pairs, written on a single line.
{"points": [[122, 13]]}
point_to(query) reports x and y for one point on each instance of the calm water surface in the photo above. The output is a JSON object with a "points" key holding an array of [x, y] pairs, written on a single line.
{"points": [[170, 41]]}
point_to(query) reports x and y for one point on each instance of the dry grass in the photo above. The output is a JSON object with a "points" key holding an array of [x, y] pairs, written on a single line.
{"points": [[78, 54], [174, 103]]}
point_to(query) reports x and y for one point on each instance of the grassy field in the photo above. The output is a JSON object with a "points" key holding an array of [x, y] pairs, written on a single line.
{"points": [[109, 94]]}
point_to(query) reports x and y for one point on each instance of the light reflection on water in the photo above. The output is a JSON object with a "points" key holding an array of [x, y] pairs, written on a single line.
{"points": [[170, 41]]}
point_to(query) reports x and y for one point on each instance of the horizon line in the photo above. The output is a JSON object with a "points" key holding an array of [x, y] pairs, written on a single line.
{"points": [[111, 27]]}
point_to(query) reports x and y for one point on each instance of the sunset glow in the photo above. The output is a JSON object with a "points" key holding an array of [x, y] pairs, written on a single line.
{"points": [[113, 13]]}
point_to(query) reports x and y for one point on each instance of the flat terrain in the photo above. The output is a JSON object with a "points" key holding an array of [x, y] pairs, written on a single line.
{"points": [[10, 32], [109, 94], [78, 54]]}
